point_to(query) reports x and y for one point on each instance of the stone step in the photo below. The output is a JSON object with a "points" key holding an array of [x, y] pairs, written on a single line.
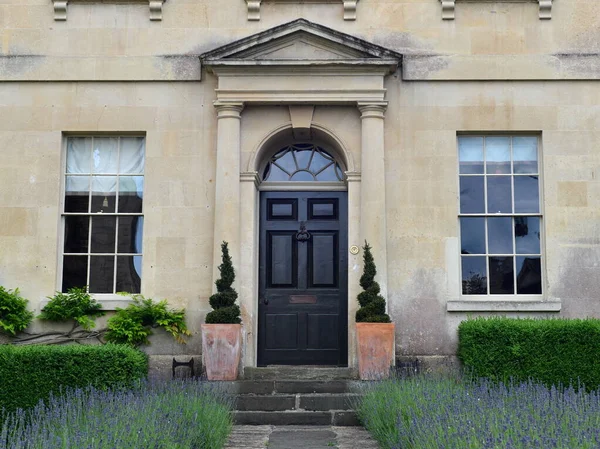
{"points": [[298, 373], [290, 386], [296, 418], [307, 402]]}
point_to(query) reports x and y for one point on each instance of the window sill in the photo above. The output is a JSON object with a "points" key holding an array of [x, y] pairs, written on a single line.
{"points": [[108, 302], [502, 305], [448, 6], [60, 7]]}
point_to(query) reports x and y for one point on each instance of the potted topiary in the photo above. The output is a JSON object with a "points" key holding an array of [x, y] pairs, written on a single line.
{"points": [[221, 335], [374, 330]]}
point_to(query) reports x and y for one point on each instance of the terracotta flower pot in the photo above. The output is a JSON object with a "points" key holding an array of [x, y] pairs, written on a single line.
{"points": [[375, 349], [221, 350]]}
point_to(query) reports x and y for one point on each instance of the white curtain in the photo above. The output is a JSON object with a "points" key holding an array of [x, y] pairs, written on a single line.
{"points": [[100, 156]]}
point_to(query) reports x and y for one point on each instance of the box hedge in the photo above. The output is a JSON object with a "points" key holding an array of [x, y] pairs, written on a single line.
{"points": [[552, 351], [31, 373]]}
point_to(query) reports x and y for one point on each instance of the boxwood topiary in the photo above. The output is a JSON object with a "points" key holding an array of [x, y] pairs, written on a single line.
{"points": [[223, 302], [372, 304]]}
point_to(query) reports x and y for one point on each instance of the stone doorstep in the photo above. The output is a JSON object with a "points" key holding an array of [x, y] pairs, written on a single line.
{"points": [[285, 372], [296, 417], [308, 402], [290, 386]]}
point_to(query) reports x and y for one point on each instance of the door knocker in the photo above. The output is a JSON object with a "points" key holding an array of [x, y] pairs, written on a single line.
{"points": [[302, 235]]}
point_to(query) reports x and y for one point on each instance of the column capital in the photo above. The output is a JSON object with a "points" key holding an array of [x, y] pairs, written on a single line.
{"points": [[373, 109], [250, 176], [228, 109], [353, 176]]}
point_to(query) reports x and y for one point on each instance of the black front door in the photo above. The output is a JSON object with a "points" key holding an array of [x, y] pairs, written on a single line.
{"points": [[303, 297]]}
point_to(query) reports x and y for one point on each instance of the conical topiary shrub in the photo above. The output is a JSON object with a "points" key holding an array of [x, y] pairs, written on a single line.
{"points": [[223, 302], [372, 304]]}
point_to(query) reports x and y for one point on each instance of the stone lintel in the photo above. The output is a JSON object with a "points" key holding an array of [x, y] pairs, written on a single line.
{"points": [[60, 7]]}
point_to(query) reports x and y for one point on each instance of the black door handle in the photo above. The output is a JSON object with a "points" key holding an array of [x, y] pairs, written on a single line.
{"points": [[265, 301]]}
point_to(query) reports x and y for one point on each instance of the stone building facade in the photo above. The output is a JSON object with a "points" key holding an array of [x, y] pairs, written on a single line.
{"points": [[460, 138]]}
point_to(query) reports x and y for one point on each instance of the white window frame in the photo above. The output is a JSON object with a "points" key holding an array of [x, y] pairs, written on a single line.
{"points": [[109, 301], [503, 302]]}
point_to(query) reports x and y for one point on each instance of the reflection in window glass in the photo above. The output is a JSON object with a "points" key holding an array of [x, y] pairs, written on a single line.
{"points": [[304, 163], [470, 152], [500, 218]]}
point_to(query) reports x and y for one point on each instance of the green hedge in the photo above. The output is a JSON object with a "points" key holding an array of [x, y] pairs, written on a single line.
{"points": [[552, 351], [31, 373]]}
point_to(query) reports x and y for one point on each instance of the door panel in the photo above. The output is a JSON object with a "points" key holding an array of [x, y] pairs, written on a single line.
{"points": [[303, 279]]}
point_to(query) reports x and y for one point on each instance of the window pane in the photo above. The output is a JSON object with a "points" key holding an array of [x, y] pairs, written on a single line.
{"points": [[319, 161], [472, 235], [102, 272], [286, 162], [527, 235], [470, 155], [525, 158], [499, 194], [471, 195], [77, 194], [79, 155], [76, 234], [105, 155], [104, 192], [303, 158], [501, 276], [74, 272], [103, 234], [328, 174], [527, 194], [474, 276], [131, 194], [497, 155], [500, 236], [302, 176], [529, 275], [274, 173], [131, 155], [129, 274], [131, 231]]}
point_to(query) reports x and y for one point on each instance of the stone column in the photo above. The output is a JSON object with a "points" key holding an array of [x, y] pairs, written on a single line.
{"points": [[227, 184], [372, 198]]}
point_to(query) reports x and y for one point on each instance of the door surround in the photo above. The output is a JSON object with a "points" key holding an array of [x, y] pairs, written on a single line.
{"points": [[274, 67]]}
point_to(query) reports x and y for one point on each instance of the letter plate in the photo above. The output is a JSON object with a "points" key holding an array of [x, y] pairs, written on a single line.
{"points": [[303, 299]]}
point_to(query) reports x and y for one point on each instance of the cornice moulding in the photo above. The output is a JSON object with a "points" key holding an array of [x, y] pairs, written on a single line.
{"points": [[155, 6], [254, 6], [448, 6]]}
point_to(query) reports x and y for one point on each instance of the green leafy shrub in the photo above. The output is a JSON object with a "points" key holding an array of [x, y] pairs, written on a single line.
{"points": [[551, 351], [372, 304], [14, 316], [76, 304], [223, 302], [31, 373], [133, 325]]}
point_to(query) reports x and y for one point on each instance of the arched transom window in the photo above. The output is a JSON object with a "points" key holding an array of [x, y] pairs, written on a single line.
{"points": [[303, 162]]}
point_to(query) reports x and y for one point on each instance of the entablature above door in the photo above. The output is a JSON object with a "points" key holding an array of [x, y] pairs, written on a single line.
{"points": [[301, 62]]}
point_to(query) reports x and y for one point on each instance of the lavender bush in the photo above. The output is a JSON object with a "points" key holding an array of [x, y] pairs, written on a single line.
{"points": [[173, 415], [433, 413]]}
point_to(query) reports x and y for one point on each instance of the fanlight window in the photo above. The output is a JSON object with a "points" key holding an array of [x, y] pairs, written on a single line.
{"points": [[303, 162]]}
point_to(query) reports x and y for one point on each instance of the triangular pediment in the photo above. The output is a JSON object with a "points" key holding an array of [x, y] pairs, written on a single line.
{"points": [[301, 43]]}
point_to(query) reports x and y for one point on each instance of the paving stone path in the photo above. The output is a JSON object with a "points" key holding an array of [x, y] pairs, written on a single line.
{"points": [[300, 437]]}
